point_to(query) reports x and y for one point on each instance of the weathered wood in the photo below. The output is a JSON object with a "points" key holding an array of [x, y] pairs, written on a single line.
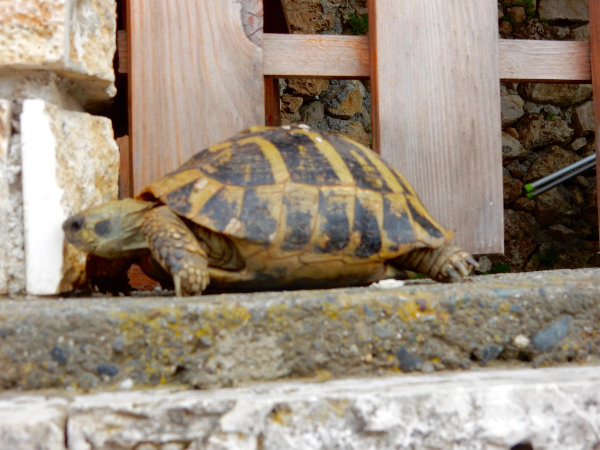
{"points": [[294, 56], [193, 82], [595, 57], [125, 172], [272, 103], [316, 56], [549, 61], [122, 52], [436, 110]]}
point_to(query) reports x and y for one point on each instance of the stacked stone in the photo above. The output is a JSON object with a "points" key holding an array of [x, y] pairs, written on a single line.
{"points": [[56, 62], [336, 106], [546, 127]]}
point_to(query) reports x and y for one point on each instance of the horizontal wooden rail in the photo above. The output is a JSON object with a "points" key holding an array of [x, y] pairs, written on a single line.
{"points": [[551, 61], [315, 56], [322, 56]]}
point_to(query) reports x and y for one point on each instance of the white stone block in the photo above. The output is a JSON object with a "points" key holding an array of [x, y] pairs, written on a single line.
{"points": [[70, 162], [547, 408], [33, 423], [74, 38]]}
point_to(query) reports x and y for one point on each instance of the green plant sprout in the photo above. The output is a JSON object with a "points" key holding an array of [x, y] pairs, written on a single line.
{"points": [[358, 24]]}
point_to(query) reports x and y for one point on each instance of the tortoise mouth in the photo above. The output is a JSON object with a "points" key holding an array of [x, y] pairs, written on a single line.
{"points": [[75, 232]]}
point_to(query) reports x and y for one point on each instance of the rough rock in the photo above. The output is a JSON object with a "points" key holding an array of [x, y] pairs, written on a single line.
{"points": [[309, 16], [33, 423], [561, 233], [505, 28], [536, 131], [512, 187], [580, 34], [312, 113], [583, 119], [70, 162], [344, 98], [562, 95], [516, 13], [512, 149], [548, 337], [577, 144], [549, 161], [307, 87], [5, 183], [75, 39], [541, 409], [532, 29], [290, 104], [355, 130], [511, 109], [512, 132], [290, 118], [12, 250], [519, 241], [551, 207], [571, 10], [523, 204]]}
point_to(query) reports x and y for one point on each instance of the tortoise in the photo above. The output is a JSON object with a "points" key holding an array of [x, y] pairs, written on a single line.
{"points": [[274, 208]]}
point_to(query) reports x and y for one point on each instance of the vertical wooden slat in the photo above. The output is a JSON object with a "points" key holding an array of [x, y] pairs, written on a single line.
{"points": [[436, 110], [594, 10], [195, 80], [272, 107], [125, 172]]}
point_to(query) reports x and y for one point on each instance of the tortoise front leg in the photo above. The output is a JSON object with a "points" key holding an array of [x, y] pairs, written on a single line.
{"points": [[177, 250]]}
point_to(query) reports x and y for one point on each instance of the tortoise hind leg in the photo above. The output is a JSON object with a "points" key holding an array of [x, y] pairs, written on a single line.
{"points": [[177, 250], [446, 263]]}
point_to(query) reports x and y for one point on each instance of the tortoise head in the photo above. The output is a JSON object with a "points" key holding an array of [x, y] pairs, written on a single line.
{"points": [[110, 230]]}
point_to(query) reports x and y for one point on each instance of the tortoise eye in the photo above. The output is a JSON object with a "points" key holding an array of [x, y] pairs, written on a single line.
{"points": [[102, 228]]}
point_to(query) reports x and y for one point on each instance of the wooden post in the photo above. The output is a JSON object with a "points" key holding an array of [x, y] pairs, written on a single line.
{"points": [[272, 108], [195, 80], [436, 110], [594, 12]]}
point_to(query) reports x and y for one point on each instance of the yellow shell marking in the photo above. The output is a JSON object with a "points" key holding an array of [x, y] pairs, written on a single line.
{"points": [[332, 156], [387, 175], [278, 167]]}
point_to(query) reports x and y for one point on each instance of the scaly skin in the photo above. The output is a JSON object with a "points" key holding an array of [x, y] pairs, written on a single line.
{"points": [[446, 263], [177, 250]]}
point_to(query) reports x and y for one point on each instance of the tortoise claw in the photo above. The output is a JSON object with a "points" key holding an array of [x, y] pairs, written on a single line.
{"points": [[453, 274], [472, 261], [177, 283], [461, 268]]}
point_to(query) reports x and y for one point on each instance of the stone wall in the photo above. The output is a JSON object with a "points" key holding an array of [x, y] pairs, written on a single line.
{"points": [[56, 63], [545, 127]]}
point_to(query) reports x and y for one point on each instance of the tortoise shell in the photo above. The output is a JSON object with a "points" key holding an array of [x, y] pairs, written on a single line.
{"points": [[297, 190]]}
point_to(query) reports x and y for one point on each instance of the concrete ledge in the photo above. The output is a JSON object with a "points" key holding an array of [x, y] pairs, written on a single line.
{"points": [[546, 408], [515, 320]]}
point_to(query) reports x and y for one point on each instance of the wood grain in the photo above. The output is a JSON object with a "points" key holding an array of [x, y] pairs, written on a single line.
{"points": [[272, 102], [293, 55], [550, 61], [595, 57], [122, 52], [125, 170], [316, 56], [436, 110], [195, 80]]}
